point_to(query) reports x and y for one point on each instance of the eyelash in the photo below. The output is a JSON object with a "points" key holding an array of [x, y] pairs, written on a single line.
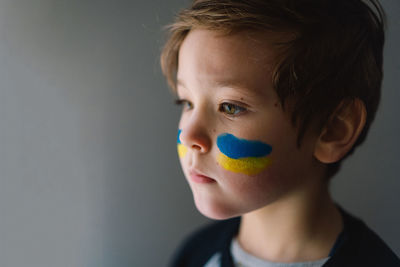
{"points": [[222, 107], [182, 102], [226, 105]]}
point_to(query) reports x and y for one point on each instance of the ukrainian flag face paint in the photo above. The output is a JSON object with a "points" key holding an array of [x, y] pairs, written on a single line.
{"points": [[241, 155], [181, 148]]}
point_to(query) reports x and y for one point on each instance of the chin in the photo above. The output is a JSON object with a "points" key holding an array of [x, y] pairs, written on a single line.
{"points": [[216, 211]]}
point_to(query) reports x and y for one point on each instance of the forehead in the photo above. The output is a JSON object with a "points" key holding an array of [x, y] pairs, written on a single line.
{"points": [[243, 59]]}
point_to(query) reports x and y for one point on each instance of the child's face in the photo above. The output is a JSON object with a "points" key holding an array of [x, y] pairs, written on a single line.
{"points": [[233, 129]]}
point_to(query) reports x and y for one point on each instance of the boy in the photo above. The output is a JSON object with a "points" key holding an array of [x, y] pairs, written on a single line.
{"points": [[275, 94]]}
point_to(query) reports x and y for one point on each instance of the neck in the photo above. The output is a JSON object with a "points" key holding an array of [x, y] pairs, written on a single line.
{"points": [[300, 227]]}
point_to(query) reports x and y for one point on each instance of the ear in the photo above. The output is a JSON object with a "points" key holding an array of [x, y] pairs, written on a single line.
{"points": [[341, 131]]}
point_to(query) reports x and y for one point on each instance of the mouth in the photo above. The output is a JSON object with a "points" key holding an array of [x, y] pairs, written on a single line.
{"points": [[200, 178]]}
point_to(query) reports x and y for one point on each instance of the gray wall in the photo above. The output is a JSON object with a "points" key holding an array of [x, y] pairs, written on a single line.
{"points": [[88, 170]]}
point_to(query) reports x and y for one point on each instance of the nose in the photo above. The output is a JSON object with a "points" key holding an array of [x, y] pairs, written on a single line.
{"points": [[194, 135]]}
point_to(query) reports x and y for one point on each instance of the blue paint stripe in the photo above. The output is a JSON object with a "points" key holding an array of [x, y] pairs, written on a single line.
{"points": [[179, 136], [236, 148]]}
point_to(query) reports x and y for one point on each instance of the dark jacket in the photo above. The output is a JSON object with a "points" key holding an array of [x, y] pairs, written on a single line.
{"points": [[358, 246]]}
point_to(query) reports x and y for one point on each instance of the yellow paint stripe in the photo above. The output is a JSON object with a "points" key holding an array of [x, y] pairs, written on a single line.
{"points": [[182, 150], [249, 166]]}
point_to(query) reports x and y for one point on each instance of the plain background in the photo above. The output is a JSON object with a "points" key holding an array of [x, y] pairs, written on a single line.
{"points": [[89, 174]]}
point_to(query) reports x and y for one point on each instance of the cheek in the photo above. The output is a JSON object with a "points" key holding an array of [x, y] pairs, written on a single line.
{"points": [[182, 150], [255, 190], [248, 166], [237, 155]]}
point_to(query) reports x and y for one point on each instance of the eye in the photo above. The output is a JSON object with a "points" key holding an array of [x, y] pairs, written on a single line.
{"points": [[231, 109], [184, 103]]}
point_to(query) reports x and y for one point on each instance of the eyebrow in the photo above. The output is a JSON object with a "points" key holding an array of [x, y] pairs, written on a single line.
{"points": [[230, 84], [251, 94], [237, 86]]}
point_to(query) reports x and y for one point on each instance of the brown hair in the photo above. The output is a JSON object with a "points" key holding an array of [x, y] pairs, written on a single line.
{"points": [[334, 55]]}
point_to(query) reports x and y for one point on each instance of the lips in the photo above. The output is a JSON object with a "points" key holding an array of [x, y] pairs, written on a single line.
{"points": [[199, 178]]}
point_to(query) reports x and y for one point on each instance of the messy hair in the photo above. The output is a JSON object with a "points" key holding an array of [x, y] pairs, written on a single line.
{"points": [[334, 54]]}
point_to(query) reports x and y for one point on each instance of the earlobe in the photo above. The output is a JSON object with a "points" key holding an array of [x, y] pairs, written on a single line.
{"points": [[341, 131]]}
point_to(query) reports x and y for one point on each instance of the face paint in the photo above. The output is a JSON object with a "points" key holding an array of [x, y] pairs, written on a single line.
{"points": [[241, 155], [181, 148]]}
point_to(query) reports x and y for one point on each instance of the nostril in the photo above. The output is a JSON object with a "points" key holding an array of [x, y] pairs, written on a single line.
{"points": [[195, 140], [197, 147]]}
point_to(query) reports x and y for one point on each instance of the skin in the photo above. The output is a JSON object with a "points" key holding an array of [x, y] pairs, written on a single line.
{"points": [[287, 213], [242, 156]]}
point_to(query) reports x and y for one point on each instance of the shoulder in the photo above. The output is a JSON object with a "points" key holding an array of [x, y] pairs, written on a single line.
{"points": [[200, 246], [362, 247]]}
